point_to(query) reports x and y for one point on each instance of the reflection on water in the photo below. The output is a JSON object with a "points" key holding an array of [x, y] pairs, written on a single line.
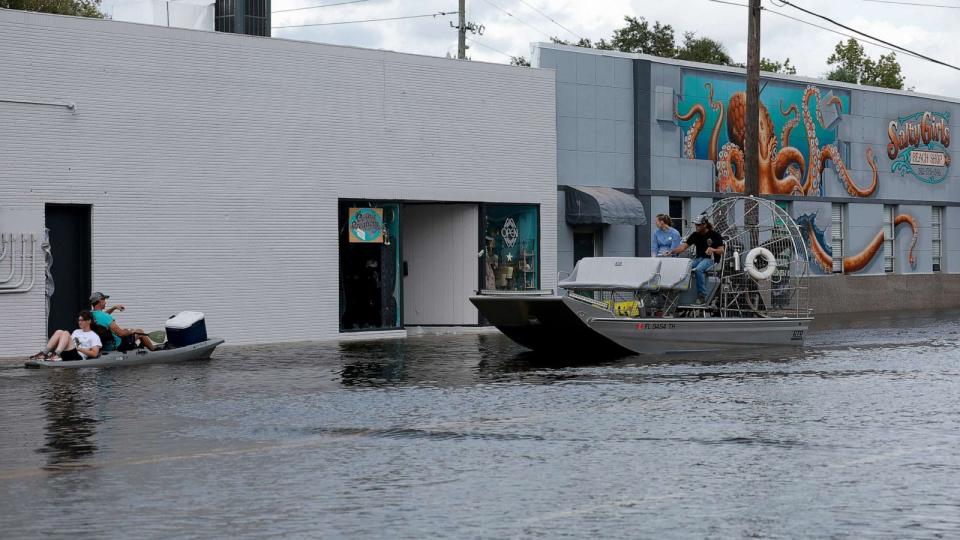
{"points": [[70, 427], [854, 435]]}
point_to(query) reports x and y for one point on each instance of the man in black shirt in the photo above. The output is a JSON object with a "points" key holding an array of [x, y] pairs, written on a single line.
{"points": [[709, 246]]}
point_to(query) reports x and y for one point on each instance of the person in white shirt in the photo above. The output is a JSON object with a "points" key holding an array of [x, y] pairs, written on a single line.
{"points": [[81, 344]]}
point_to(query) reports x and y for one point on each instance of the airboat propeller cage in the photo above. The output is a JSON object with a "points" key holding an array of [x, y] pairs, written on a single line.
{"points": [[755, 229], [186, 328]]}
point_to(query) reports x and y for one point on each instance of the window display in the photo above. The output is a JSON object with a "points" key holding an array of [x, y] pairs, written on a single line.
{"points": [[511, 247]]}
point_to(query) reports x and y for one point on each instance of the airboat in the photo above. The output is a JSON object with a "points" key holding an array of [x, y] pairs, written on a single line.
{"points": [[756, 295]]}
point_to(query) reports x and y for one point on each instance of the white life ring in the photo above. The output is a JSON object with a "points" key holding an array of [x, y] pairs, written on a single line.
{"points": [[751, 268]]}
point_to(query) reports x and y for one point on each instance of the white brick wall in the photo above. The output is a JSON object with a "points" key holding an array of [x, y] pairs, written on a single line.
{"points": [[214, 162]]}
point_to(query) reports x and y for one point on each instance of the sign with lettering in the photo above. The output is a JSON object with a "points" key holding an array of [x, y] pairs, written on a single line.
{"points": [[366, 225], [918, 146]]}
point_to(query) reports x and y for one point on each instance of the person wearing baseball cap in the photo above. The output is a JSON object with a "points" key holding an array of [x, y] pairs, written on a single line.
{"points": [[124, 339], [709, 246]]}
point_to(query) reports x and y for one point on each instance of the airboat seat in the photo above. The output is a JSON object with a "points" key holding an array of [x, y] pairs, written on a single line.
{"points": [[614, 274], [675, 274], [688, 297]]}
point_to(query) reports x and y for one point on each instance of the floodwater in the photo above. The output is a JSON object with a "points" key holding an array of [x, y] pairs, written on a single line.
{"points": [[466, 436]]}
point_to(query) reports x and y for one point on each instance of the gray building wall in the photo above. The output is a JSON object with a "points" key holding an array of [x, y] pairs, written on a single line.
{"points": [[595, 136], [663, 171], [214, 162]]}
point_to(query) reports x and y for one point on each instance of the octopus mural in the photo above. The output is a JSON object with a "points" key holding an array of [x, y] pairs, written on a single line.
{"points": [[784, 169], [821, 253]]}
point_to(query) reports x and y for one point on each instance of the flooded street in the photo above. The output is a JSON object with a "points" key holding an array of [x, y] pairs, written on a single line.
{"points": [[857, 435]]}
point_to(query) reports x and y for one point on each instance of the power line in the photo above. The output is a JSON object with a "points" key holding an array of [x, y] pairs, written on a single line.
{"points": [[854, 30], [815, 25], [920, 4], [438, 14], [551, 19], [521, 21], [320, 6], [485, 46], [881, 44]]}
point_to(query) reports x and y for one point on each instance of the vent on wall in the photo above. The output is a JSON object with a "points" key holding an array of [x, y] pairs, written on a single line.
{"points": [[664, 104]]}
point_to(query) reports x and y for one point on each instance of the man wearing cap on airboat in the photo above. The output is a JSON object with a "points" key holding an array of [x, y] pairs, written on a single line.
{"points": [[709, 247]]}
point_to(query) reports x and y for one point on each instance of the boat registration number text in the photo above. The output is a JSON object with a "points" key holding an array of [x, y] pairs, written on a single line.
{"points": [[656, 326]]}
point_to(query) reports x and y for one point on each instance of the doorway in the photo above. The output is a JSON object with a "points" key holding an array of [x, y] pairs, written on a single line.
{"points": [[369, 265], [440, 268], [586, 243], [69, 226]]}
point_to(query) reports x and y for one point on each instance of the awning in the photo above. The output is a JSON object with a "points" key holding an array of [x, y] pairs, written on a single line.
{"points": [[588, 205]]}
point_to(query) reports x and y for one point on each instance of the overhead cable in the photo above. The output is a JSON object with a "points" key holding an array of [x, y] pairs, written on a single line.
{"points": [[554, 21], [320, 6], [438, 14], [521, 21], [854, 30], [485, 46], [918, 4]]}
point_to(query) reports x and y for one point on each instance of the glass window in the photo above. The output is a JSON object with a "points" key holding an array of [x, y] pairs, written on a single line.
{"points": [[369, 265], [889, 238], [836, 235], [936, 233], [511, 247], [678, 214]]}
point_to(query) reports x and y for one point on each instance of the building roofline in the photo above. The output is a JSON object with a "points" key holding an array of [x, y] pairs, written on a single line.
{"points": [[66, 21], [741, 71]]}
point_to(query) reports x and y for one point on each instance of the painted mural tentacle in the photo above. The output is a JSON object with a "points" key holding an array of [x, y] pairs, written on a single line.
{"points": [[792, 123], [715, 135], [855, 263], [835, 100], [690, 138], [820, 255], [770, 182], [812, 183], [907, 218], [730, 169], [790, 162], [831, 153]]}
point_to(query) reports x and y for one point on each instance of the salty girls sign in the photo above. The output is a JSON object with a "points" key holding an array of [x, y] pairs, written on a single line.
{"points": [[918, 146]]}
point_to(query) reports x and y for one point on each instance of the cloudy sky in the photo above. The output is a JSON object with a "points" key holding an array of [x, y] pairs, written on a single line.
{"points": [[930, 31]]}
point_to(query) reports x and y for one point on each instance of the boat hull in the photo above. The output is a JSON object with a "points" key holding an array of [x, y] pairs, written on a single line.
{"points": [[544, 324], [691, 335], [135, 357], [565, 325]]}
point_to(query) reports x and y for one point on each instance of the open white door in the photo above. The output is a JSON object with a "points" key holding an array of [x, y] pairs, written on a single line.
{"points": [[440, 244]]}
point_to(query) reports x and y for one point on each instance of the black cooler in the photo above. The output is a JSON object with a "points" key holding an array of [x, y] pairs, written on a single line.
{"points": [[186, 328]]}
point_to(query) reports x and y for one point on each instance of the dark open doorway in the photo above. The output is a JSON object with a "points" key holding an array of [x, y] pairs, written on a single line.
{"points": [[69, 226]]}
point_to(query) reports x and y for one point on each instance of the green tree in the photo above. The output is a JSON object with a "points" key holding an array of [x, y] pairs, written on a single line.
{"points": [[79, 8], [637, 36], [519, 61], [885, 72], [704, 50], [773, 66], [854, 66]]}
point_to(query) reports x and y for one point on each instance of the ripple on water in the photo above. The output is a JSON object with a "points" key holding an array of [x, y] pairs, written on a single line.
{"points": [[468, 435]]}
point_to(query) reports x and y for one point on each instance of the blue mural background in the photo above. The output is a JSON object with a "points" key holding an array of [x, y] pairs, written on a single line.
{"points": [[772, 95]]}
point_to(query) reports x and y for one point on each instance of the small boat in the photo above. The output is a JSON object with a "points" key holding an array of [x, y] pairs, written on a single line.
{"points": [[136, 357], [614, 306]]}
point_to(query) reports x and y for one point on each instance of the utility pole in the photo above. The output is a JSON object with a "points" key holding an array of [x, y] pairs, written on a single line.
{"points": [[752, 157], [462, 30]]}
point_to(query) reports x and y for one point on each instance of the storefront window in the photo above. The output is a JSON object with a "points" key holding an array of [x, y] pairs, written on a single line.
{"points": [[511, 248], [369, 265]]}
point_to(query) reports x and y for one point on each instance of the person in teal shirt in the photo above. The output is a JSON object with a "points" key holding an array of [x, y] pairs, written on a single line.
{"points": [[665, 238], [124, 339]]}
